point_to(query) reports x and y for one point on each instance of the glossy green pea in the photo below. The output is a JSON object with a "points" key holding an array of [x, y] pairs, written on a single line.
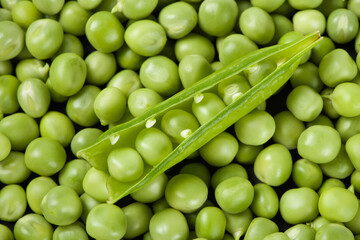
{"points": [[125, 164], [153, 191], [308, 21], [100, 67], [237, 224], [328, 107], [191, 217], [80, 107], [333, 231], [257, 24], [337, 67], [70, 44], [206, 105], [44, 38], [337, 30], [273, 165], [32, 68], [13, 202], [61, 206], [142, 100], [128, 59], [5, 147], [259, 228], [210, 223], [351, 150], [329, 183], [277, 236], [299, 205], [169, 224], [228, 171], [255, 128], [265, 202], [24, 13], [33, 97], [20, 128], [305, 4], [325, 46], [353, 225], [341, 167], [73, 231], [194, 44], [6, 233], [136, 10], [73, 18], [338, 204], [104, 32], [197, 169], [221, 150], [305, 103], [346, 100], [320, 221], [6, 67], [306, 173], [36, 190], [73, 173], [259, 71], [288, 129], [45, 156], [307, 74], [94, 184], [11, 40], [266, 5], [138, 217], [127, 81], [55, 96], [300, 232], [13, 169], [33, 226], [355, 180], [84, 138], [232, 88], [51, 7], [87, 203], [106, 221], [247, 153]]}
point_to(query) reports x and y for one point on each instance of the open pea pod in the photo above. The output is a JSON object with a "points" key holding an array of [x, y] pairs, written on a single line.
{"points": [[286, 57]]}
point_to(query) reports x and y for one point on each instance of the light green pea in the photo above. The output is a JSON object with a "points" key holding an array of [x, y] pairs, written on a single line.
{"points": [[341, 167], [353, 154], [334, 231], [321, 120], [36, 190], [88, 203], [267, 6], [13, 203], [32, 68], [75, 231], [73, 173], [305, 4], [353, 225], [192, 68], [84, 138], [33, 226], [198, 169], [8, 93], [196, 44], [6, 233], [325, 46], [128, 59], [11, 40], [70, 44], [142, 100], [247, 153], [228, 171], [73, 18], [306, 173], [237, 224], [153, 191], [5, 147], [259, 228], [277, 236], [308, 21], [138, 217], [337, 30], [94, 184], [24, 13], [206, 106], [265, 202], [329, 183], [307, 74], [300, 232], [127, 81], [210, 223], [13, 169], [355, 180], [51, 7], [100, 67], [233, 87]]}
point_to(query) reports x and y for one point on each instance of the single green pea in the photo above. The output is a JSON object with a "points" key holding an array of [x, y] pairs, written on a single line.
{"points": [[351, 149], [300, 232], [237, 224], [337, 30], [338, 204], [8, 93], [259, 71], [206, 106], [6, 233], [137, 10], [233, 87], [106, 221], [257, 24], [265, 202], [94, 184], [80, 107], [266, 5], [13, 203], [256, 128], [308, 21], [100, 67], [33, 226], [153, 191], [325, 46], [334, 231], [125, 164], [88, 203], [329, 183], [44, 38], [128, 59], [127, 81], [169, 224], [306, 173], [305, 4], [20, 128], [138, 217], [73, 18], [307, 74], [36, 190], [346, 100], [73, 173], [273, 165], [192, 68], [13, 169], [11, 40], [194, 44], [75, 231], [70, 44], [355, 180], [142, 100], [341, 167], [84, 138], [247, 153], [32, 68], [210, 223], [51, 7], [228, 171], [24, 13], [259, 228]]}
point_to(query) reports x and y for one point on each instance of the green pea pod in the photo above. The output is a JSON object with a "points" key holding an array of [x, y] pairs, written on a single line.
{"points": [[286, 57]]}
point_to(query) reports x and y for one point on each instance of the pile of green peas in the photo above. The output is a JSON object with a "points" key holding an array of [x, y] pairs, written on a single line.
{"points": [[69, 70]]}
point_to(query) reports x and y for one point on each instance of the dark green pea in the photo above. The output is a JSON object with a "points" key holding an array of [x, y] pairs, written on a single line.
{"points": [[159, 205], [73, 18], [13, 169], [73, 173], [196, 44], [341, 167], [329, 6], [288, 129], [138, 217], [32, 68], [106, 221], [237, 224], [325, 46], [33, 97], [6, 233], [127, 81], [285, 9], [334, 231], [13, 203], [8, 94], [88, 203], [210, 223], [307, 74], [282, 26], [259, 228], [94, 184], [259, 71], [265, 202], [169, 224], [36, 190], [75, 231], [307, 174], [11, 40], [206, 106], [355, 180], [20, 128], [33, 226], [55, 96], [104, 32], [6, 67], [197, 169], [153, 191], [228, 171], [70, 44], [337, 30], [128, 59], [247, 153], [192, 68], [5, 14], [300, 232], [46, 44], [24, 13], [357, 43], [142, 100], [80, 107], [84, 138], [321, 120]]}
